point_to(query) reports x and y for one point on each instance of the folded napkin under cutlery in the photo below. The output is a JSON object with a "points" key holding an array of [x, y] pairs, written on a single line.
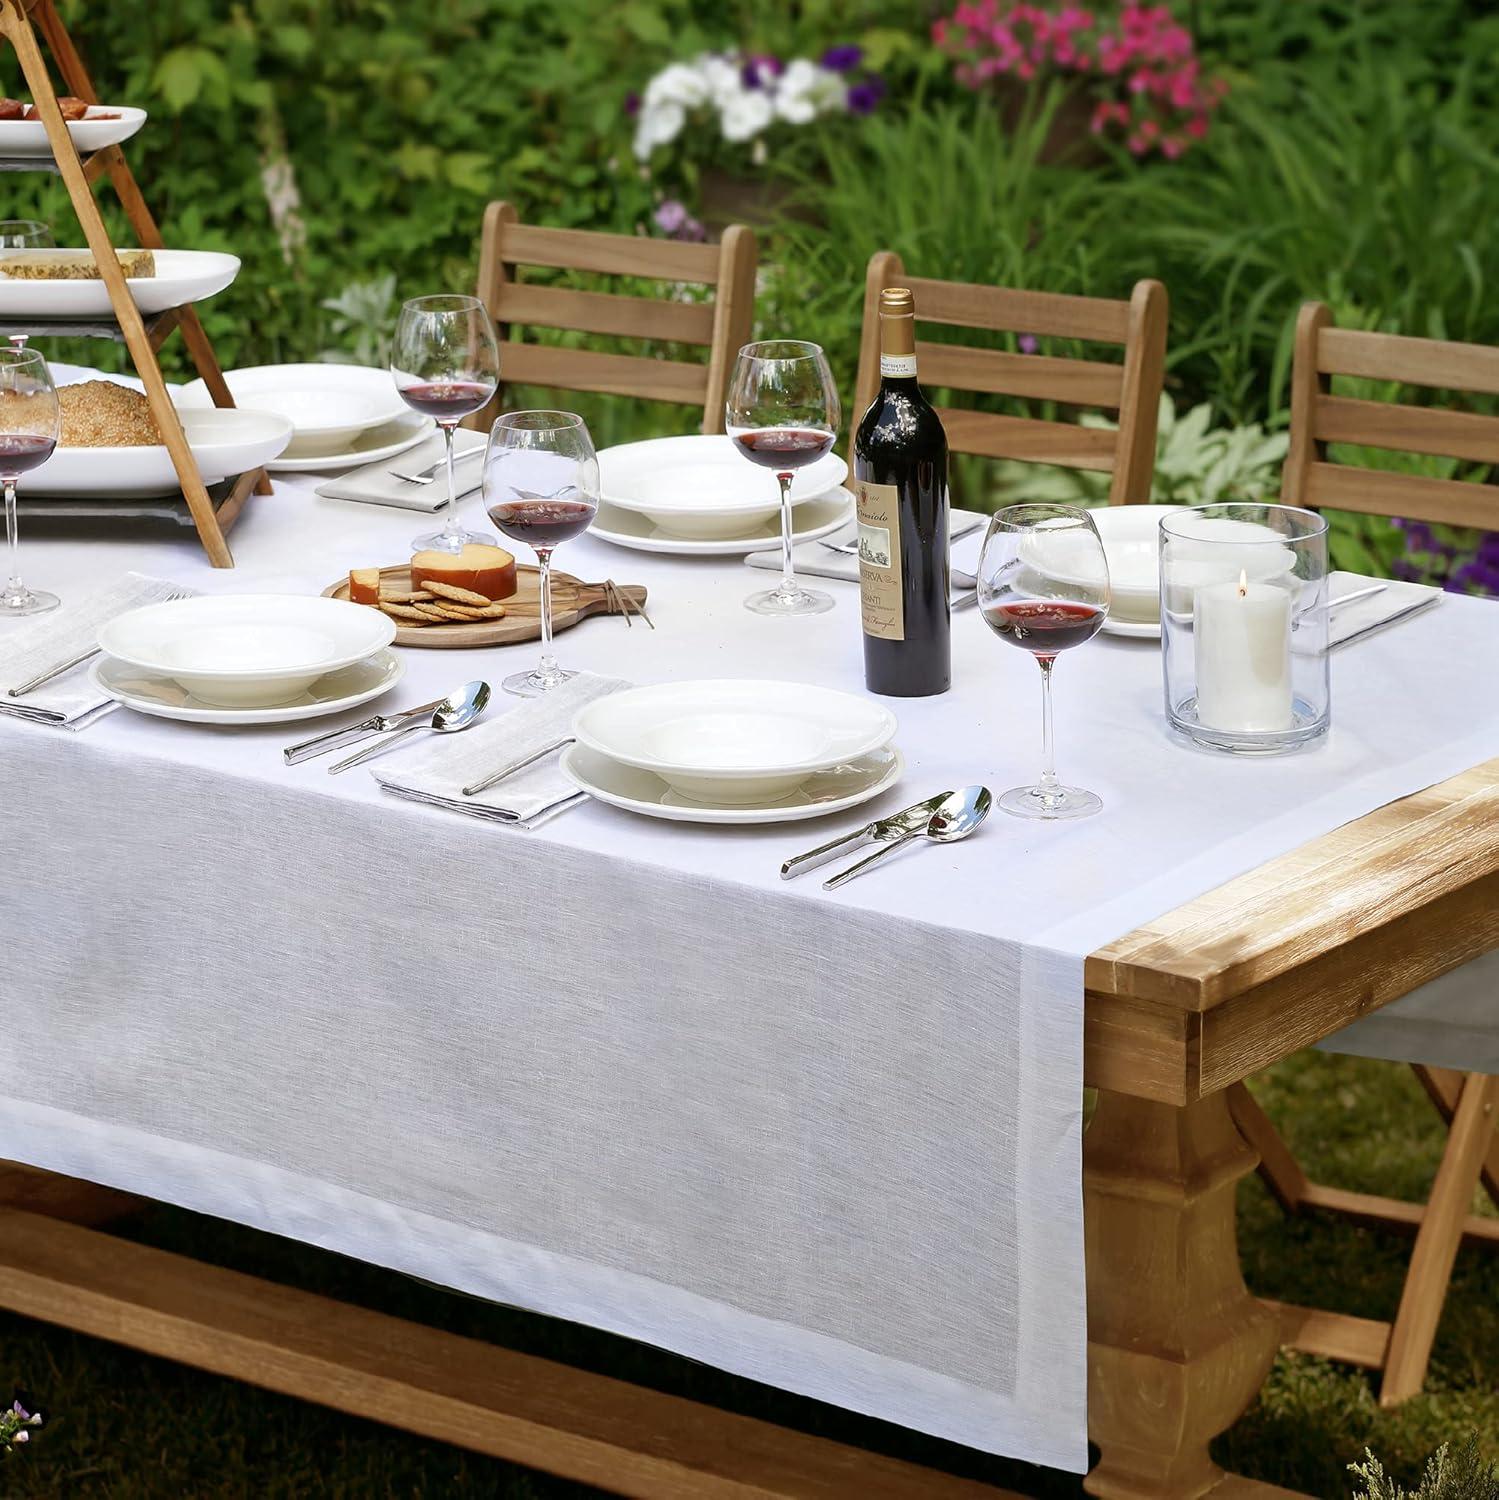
{"points": [[376, 485], [535, 793], [820, 561], [70, 699], [1353, 621]]}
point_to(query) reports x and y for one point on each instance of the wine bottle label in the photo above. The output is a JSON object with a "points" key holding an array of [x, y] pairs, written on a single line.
{"points": [[878, 510], [898, 364]]}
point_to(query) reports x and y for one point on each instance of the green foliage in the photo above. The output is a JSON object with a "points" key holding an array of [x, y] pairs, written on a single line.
{"points": [[1463, 1475]]}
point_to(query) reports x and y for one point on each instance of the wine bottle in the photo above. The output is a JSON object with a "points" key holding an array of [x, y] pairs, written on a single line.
{"points": [[900, 488]]}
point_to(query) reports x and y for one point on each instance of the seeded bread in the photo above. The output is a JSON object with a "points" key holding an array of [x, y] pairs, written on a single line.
{"points": [[76, 265]]}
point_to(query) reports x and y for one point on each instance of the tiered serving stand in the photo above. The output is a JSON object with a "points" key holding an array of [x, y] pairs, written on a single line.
{"points": [[213, 513]]}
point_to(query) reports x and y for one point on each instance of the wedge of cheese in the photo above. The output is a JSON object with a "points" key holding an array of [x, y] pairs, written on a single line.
{"points": [[364, 585], [486, 570]]}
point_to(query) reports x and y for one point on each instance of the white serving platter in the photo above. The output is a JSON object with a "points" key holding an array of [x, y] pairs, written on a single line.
{"points": [[223, 443], [812, 519], [331, 407], [28, 138], [642, 792], [163, 698], [181, 276], [701, 487]]}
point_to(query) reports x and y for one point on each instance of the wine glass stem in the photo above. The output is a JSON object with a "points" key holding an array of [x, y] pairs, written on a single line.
{"points": [[789, 584], [14, 588], [1048, 782], [451, 526], [548, 667]]}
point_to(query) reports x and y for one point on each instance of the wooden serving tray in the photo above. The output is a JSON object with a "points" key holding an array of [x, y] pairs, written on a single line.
{"points": [[572, 600]]}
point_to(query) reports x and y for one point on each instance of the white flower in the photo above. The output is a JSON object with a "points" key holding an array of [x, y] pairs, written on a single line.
{"points": [[682, 84], [657, 125], [721, 78], [806, 90], [745, 114]]}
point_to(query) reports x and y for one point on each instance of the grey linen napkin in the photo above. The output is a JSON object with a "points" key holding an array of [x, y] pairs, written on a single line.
{"points": [[818, 561], [70, 700], [1364, 616], [526, 799], [376, 485]]}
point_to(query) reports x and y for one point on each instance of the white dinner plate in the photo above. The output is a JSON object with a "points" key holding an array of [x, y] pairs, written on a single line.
{"points": [[223, 443], [29, 137], [181, 276], [246, 650], [1135, 630], [330, 406], [815, 518], [161, 697], [701, 487], [734, 740], [642, 792], [371, 447]]}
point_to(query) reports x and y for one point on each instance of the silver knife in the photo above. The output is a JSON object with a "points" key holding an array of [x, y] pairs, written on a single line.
{"points": [[378, 724], [905, 821]]}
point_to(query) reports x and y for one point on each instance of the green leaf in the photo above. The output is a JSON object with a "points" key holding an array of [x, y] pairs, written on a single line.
{"points": [[180, 76]]}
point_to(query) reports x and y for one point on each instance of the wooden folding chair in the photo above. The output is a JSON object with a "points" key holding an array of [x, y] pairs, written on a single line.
{"points": [[1133, 388], [722, 324], [1468, 1102]]}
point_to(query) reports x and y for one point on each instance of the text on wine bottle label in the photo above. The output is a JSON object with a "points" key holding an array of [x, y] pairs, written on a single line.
{"points": [[898, 365], [881, 598]]}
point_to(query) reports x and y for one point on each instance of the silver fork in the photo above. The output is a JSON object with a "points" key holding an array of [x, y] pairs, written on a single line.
{"points": [[58, 668]]}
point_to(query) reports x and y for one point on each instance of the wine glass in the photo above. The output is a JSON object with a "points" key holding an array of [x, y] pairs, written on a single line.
{"points": [[30, 425], [541, 487], [23, 234], [1043, 585], [782, 413], [445, 360]]}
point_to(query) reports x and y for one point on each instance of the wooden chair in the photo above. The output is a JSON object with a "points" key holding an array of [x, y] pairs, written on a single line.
{"points": [[1132, 389], [722, 325], [1468, 1102]]}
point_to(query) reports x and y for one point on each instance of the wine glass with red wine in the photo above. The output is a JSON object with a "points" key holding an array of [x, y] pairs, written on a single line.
{"points": [[782, 413], [446, 363], [541, 487], [30, 424], [1043, 585]]}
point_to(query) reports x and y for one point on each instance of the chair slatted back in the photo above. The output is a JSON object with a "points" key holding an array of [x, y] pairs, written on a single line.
{"points": [[1131, 388], [1319, 418], [721, 325]]}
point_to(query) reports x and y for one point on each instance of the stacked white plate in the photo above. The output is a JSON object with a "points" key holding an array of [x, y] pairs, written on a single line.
{"points": [[340, 415], [247, 658], [699, 494], [93, 132], [733, 751], [181, 276]]}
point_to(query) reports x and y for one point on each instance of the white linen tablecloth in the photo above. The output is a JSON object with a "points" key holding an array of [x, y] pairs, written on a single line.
{"points": [[614, 1069]]}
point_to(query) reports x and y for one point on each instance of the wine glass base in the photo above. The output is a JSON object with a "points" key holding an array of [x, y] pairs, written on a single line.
{"points": [[452, 541], [535, 684], [1050, 802], [27, 602], [794, 601]]}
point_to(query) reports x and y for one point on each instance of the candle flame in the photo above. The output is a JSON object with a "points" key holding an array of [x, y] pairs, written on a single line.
{"points": [[1243, 582]]}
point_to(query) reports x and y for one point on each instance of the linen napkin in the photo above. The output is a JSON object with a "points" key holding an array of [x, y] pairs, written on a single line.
{"points": [[1363, 617], [70, 700], [525, 800], [819, 561], [374, 484]]}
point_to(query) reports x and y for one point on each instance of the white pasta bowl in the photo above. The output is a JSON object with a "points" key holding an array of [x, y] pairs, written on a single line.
{"points": [[701, 487], [733, 741], [246, 650]]}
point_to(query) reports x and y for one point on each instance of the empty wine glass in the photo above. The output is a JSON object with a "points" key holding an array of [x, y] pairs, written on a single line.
{"points": [[782, 413], [24, 234], [30, 424], [541, 487], [1043, 585], [445, 360]]}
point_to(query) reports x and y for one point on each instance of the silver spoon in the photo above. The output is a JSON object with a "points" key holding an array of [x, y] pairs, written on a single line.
{"points": [[954, 818], [457, 711]]}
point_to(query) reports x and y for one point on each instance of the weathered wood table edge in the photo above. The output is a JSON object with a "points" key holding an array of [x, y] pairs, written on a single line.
{"points": [[1178, 1011]]}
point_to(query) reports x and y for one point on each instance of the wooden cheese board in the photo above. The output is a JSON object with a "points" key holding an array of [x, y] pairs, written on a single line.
{"points": [[572, 600]]}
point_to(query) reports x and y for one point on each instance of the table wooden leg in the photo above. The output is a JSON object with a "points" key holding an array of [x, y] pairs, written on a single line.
{"points": [[1177, 1348]]}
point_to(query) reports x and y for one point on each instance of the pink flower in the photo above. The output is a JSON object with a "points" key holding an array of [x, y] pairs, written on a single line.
{"points": [[1173, 146], [1137, 146]]}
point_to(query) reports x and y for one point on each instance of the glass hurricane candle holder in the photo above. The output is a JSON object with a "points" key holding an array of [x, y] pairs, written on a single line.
{"points": [[1244, 622]]}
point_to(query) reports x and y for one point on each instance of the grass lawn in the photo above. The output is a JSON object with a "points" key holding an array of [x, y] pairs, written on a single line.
{"points": [[122, 1424]]}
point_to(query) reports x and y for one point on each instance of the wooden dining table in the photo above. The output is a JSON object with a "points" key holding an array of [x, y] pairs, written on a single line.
{"points": [[1178, 1011]]}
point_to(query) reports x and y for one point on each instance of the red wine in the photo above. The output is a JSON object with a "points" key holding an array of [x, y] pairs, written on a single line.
{"points": [[784, 447], [541, 524], [20, 451], [900, 485], [447, 400], [1045, 626]]}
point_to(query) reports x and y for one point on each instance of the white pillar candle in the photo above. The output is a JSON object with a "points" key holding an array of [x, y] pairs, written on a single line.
{"points": [[1242, 643]]}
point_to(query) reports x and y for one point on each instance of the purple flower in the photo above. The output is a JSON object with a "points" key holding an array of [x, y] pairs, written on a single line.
{"points": [[1028, 343], [632, 104], [673, 220], [760, 69], [843, 59], [863, 98]]}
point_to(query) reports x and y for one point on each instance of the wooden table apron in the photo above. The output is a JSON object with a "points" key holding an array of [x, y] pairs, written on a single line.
{"points": [[1176, 1012]]}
